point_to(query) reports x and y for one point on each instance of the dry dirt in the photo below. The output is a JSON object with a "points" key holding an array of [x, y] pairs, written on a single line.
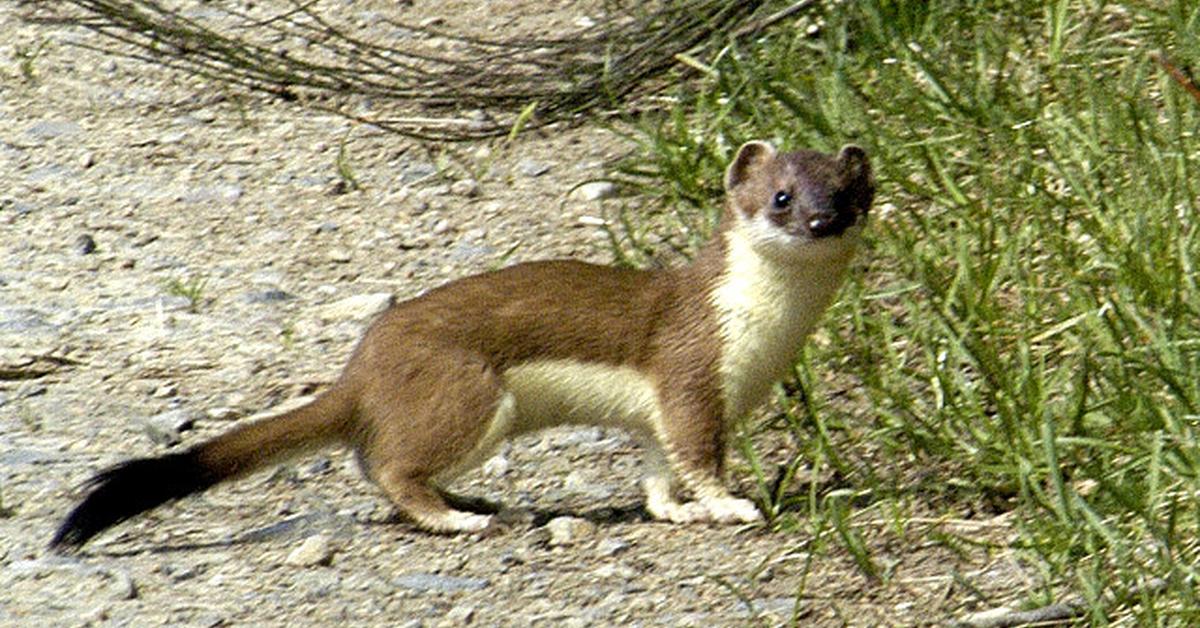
{"points": [[127, 187]]}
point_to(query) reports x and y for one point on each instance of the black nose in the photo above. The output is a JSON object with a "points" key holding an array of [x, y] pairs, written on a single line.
{"points": [[825, 224]]}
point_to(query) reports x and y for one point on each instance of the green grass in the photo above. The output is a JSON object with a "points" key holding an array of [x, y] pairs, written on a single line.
{"points": [[26, 57], [190, 288], [347, 180], [1023, 332]]}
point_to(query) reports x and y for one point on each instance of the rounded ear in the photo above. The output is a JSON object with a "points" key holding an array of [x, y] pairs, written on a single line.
{"points": [[751, 154], [858, 185], [856, 167]]}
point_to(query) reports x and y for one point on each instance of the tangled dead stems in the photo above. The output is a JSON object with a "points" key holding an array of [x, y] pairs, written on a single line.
{"points": [[450, 86]]}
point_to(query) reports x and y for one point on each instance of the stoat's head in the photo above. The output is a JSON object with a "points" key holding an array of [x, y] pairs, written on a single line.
{"points": [[785, 203]]}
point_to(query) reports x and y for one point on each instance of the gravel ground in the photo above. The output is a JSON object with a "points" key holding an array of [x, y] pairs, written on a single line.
{"points": [[173, 259]]}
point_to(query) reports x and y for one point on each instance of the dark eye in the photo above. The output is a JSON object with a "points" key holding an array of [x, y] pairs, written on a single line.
{"points": [[782, 199]]}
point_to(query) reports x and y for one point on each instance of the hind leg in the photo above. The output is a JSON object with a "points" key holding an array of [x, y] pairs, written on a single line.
{"points": [[421, 502], [431, 417]]}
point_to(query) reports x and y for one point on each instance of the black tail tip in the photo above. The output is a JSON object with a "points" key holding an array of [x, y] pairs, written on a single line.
{"points": [[67, 540], [126, 490]]}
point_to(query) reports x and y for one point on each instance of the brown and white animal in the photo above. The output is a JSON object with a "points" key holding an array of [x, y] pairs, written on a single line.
{"points": [[671, 355]]}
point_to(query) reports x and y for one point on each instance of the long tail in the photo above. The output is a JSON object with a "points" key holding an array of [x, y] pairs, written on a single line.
{"points": [[135, 486]]}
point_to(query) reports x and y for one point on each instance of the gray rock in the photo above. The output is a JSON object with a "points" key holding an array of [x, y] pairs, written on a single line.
{"points": [[428, 582]]}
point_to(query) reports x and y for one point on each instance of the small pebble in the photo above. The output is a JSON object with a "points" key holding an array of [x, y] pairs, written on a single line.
{"points": [[85, 244], [611, 547], [461, 615], [496, 466], [465, 187], [357, 307], [314, 551], [531, 168], [166, 428], [270, 295], [222, 413], [594, 191], [569, 530]]}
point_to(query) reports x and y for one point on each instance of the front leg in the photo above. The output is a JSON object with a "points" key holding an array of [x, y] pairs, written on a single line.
{"points": [[690, 445]]}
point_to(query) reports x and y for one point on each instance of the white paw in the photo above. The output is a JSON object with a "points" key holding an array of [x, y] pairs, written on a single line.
{"points": [[687, 512], [731, 510], [458, 521], [712, 510], [667, 509]]}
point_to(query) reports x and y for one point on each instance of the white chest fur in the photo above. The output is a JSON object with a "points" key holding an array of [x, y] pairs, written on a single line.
{"points": [[766, 308]]}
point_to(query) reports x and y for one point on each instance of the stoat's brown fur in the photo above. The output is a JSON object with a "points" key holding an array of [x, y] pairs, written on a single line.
{"points": [[673, 356]]}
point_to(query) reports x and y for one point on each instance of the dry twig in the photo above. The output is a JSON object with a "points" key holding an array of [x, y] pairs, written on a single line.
{"points": [[297, 51], [1178, 75]]}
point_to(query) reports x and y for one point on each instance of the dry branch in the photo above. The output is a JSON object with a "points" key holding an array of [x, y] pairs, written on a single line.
{"points": [[298, 51]]}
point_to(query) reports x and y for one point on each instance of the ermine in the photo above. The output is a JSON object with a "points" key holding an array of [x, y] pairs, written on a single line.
{"points": [[673, 356]]}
